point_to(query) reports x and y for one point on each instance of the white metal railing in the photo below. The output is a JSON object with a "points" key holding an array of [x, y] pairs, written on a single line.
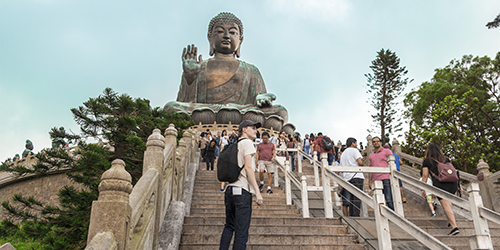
{"points": [[383, 214]]}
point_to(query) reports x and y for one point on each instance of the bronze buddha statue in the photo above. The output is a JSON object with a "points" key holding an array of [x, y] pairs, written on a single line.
{"points": [[223, 88]]}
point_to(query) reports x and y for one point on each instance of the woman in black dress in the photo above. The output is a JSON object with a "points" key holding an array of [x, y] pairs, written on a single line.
{"points": [[433, 154]]}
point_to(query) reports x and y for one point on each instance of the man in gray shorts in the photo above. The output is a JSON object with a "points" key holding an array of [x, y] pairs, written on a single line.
{"points": [[265, 161]]}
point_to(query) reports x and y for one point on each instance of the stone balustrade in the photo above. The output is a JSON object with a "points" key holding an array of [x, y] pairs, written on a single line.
{"points": [[126, 217]]}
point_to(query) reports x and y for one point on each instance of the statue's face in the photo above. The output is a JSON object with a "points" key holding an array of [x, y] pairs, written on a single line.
{"points": [[225, 37]]}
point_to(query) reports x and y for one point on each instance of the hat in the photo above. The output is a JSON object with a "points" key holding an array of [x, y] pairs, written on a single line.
{"points": [[387, 146], [247, 123]]}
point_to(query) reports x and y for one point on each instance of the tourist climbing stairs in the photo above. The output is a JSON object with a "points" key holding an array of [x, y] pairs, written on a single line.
{"points": [[274, 224]]}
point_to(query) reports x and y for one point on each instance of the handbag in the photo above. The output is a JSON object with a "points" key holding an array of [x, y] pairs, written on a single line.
{"points": [[446, 172]]}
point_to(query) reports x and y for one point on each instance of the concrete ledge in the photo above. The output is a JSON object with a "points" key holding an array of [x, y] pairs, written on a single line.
{"points": [[7, 246], [171, 229], [102, 241]]}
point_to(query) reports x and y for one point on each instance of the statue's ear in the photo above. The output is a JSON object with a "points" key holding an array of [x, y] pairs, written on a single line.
{"points": [[212, 50], [238, 53]]}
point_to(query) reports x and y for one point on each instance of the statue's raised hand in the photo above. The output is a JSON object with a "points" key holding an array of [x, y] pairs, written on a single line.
{"points": [[190, 63], [265, 100]]}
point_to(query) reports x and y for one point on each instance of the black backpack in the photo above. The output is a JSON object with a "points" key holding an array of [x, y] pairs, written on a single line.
{"points": [[228, 169], [326, 143]]}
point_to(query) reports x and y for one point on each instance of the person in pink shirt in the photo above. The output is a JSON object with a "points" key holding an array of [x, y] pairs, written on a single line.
{"points": [[379, 159]]}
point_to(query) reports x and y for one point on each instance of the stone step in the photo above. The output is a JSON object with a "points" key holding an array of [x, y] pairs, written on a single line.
{"points": [[258, 209], [195, 246], [463, 242], [464, 231], [442, 222], [274, 239], [254, 206], [261, 212], [220, 196], [267, 200], [259, 220], [267, 229]]}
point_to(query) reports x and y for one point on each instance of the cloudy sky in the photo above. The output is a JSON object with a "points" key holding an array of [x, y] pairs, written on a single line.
{"points": [[55, 54]]}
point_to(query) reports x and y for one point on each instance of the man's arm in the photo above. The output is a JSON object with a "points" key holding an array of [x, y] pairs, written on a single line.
{"points": [[251, 178], [360, 162]]}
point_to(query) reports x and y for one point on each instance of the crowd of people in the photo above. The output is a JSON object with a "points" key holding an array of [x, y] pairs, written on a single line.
{"points": [[349, 154]]}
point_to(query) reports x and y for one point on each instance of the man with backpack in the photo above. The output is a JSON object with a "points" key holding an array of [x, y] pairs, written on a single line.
{"points": [[323, 144], [238, 194]]}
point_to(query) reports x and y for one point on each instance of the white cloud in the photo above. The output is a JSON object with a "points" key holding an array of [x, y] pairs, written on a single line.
{"points": [[316, 10]]}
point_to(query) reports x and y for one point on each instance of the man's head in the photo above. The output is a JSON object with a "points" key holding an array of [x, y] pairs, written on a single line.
{"points": [[248, 129], [307, 136], [225, 34], [265, 137], [377, 143], [351, 142], [319, 133]]}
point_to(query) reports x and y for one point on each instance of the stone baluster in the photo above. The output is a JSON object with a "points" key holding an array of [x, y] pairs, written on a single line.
{"points": [[382, 223], [171, 135], [112, 212], [368, 150], [487, 191], [299, 158], [315, 168], [153, 159], [481, 238], [288, 187], [396, 148], [327, 189], [396, 192], [305, 197]]}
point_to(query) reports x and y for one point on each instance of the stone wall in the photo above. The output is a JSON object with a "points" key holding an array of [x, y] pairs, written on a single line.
{"points": [[44, 189]]}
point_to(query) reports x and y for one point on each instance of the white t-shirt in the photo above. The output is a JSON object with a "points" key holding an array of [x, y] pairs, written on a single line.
{"points": [[224, 140], [245, 147], [349, 158]]}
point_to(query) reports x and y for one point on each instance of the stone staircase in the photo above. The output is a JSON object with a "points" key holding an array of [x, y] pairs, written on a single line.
{"points": [[416, 210], [274, 225]]}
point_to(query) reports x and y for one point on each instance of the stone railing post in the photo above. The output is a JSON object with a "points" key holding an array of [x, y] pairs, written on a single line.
{"points": [[171, 135], [481, 238], [368, 150], [276, 175], [169, 163], [327, 189], [299, 158], [288, 187], [487, 190], [396, 148], [396, 192], [315, 169], [305, 197], [153, 158], [382, 223], [112, 212], [179, 171]]}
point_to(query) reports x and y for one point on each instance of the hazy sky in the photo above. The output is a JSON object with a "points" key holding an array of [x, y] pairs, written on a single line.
{"points": [[55, 54]]}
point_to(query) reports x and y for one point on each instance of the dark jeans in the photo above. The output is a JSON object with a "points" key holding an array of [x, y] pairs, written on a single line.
{"points": [[210, 163], [355, 205], [329, 158], [238, 216], [388, 193]]}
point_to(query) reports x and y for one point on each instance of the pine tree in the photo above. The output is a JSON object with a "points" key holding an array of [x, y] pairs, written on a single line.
{"points": [[495, 23], [123, 121], [386, 84]]}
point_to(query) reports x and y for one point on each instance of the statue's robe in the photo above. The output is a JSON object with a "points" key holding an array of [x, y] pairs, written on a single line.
{"points": [[240, 92]]}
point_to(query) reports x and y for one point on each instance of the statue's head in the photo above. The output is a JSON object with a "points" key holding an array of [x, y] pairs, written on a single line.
{"points": [[225, 34]]}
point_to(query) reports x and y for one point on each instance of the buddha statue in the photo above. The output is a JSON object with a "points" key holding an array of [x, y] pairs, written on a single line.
{"points": [[223, 88]]}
